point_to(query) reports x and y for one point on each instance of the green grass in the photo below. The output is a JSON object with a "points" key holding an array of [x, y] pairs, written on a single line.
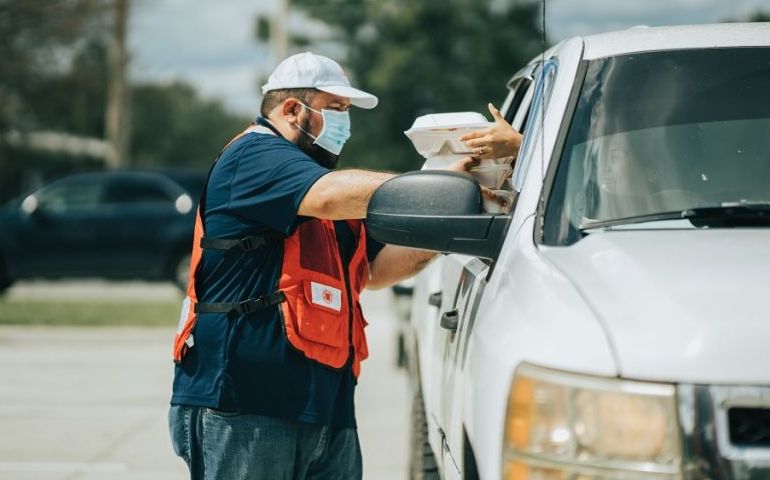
{"points": [[83, 313]]}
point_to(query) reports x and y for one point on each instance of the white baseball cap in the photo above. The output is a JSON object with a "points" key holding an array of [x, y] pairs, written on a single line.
{"points": [[307, 70]]}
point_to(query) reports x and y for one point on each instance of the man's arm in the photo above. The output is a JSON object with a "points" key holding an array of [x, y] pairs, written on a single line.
{"points": [[345, 194], [342, 195], [395, 263]]}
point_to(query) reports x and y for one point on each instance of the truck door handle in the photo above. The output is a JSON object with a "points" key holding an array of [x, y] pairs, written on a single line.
{"points": [[435, 299], [449, 320]]}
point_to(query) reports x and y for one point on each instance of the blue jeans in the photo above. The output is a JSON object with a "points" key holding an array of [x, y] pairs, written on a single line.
{"points": [[218, 445]]}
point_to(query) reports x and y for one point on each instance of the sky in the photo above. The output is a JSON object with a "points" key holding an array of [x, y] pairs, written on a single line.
{"points": [[211, 44]]}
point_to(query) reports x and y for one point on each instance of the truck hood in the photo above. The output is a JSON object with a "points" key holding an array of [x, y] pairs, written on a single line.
{"points": [[686, 306]]}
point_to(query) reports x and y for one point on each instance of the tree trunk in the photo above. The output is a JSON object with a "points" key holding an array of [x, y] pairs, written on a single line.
{"points": [[117, 123]]}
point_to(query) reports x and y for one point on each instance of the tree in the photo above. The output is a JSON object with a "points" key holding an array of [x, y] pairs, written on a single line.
{"points": [[38, 39], [53, 80], [73, 100], [424, 57], [757, 15], [173, 126], [40, 43]]}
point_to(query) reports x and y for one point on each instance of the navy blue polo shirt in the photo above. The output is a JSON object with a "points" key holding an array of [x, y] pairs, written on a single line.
{"points": [[246, 363]]}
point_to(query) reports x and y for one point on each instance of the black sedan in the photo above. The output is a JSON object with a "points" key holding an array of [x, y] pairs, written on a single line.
{"points": [[111, 225]]}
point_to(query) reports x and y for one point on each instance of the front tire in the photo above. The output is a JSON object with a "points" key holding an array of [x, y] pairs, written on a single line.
{"points": [[5, 280], [402, 359], [422, 462], [180, 270]]}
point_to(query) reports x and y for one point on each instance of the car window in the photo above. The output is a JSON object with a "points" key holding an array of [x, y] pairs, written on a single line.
{"points": [[532, 113], [133, 190], [515, 109], [71, 194], [517, 103], [191, 182], [517, 94], [663, 132]]}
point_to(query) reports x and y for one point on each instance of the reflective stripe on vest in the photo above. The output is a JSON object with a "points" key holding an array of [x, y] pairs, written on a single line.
{"points": [[319, 296]]}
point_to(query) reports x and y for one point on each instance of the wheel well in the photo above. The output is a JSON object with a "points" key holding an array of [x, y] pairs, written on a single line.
{"points": [[176, 253], [173, 257], [413, 366], [3, 267], [5, 278], [469, 468]]}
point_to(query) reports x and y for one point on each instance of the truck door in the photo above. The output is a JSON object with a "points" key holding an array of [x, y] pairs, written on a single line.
{"points": [[463, 286], [460, 295], [140, 215]]}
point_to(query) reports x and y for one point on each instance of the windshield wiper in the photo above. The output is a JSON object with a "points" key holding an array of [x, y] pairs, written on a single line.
{"points": [[725, 215]]}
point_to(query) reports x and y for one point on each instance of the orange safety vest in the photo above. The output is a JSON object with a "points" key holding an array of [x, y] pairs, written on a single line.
{"points": [[317, 294]]}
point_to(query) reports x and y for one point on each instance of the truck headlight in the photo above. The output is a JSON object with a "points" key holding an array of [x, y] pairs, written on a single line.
{"points": [[573, 427]]}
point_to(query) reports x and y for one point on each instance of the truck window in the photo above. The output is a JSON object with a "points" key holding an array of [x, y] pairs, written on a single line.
{"points": [[518, 89], [531, 112], [663, 132]]}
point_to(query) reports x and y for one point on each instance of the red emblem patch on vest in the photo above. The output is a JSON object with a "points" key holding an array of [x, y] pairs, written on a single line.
{"points": [[326, 296]]}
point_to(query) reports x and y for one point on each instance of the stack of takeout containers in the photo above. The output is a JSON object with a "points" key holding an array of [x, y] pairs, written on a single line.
{"points": [[437, 138]]}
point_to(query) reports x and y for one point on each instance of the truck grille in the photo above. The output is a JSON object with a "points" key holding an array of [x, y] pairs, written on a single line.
{"points": [[749, 427]]}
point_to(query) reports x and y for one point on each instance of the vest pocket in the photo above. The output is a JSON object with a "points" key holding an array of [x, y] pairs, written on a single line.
{"points": [[322, 314], [359, 335]]}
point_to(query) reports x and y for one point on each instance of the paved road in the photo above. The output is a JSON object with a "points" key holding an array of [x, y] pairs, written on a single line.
{"points": [[90, 403]]}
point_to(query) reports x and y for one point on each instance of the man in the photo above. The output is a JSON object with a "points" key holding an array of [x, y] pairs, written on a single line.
{"points": [[272, 334]]}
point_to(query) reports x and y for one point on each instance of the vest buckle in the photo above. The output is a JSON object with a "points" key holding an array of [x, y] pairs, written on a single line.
{"points": [[252, 242], [249, 306]]}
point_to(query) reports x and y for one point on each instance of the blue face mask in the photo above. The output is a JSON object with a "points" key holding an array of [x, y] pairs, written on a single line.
{"points": [[335, 131]]}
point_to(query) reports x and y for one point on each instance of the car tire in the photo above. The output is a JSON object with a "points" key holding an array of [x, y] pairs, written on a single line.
{"points": [[179, 271], [5, 280], [422, 462], [402, 358]]}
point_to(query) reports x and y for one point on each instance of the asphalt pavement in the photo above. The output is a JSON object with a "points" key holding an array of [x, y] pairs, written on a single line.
{"points": [[88, 403]]}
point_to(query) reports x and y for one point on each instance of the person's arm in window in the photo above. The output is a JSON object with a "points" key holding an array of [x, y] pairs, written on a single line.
{"points": [[498, 141]]}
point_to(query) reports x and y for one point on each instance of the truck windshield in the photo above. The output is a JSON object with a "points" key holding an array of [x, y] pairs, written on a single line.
{"points": [[663, 132]]}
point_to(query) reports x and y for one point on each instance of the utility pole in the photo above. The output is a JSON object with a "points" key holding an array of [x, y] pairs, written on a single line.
{"points": [[279, 37], [117, 120]]}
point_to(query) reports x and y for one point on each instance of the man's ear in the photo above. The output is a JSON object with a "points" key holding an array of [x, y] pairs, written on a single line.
{"points": [[290, 108]]}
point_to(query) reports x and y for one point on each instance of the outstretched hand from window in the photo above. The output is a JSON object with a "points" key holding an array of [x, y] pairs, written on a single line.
{"points": [[498, 141]]}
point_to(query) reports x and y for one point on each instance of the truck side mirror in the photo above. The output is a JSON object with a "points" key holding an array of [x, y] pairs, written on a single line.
{"points": [[435, 210]]}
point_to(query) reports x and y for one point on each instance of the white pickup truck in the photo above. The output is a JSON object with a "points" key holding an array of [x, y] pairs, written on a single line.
{"points": [[615, 325]]}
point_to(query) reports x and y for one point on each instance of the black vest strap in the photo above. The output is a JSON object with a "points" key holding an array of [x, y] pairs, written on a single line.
{"points": [[240, 308], [245, 244]]}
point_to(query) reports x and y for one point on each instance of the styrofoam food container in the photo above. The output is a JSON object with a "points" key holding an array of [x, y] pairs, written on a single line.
{"points": [[491, 176], [447, 120], [491, 206], [441, 162], [439, 133]]}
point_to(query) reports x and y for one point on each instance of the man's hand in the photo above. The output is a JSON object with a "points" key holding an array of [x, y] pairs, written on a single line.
{"points": [[497, 141], [463, 165]]}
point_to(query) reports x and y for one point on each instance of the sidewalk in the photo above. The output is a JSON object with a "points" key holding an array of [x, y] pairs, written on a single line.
{"points": [[90, 403]]}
